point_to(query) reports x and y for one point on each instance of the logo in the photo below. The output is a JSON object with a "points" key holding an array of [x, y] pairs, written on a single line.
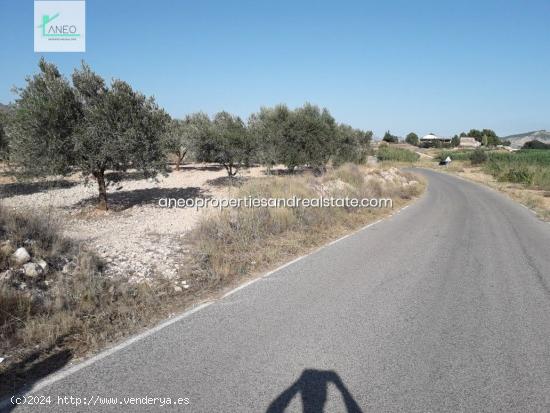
{"points": [[60, 26]]}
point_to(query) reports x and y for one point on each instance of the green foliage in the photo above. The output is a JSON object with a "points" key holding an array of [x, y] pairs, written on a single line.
{"points": [[182, 135], [412, 139], [306, 136], [455, 141], [4, 143], [352, 145], [478, 156], [455, 155], [47, 114], [88, 126], [524, 157], [521, 175], [271, 130], [535, 145], [387, 153], [121, 128], [388, 137], [487, 137], [226, 142], [528, 167], [312, 138]]}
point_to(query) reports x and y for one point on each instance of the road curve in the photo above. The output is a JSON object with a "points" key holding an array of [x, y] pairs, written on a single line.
{"points": [[443, 307]]}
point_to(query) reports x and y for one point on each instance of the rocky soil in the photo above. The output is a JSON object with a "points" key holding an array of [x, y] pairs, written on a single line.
{"points": [[137, 238]]}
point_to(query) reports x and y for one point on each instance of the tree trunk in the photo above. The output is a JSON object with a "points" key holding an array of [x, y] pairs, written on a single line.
{"points": [[181, 155], [230, 171], [102, 201]]}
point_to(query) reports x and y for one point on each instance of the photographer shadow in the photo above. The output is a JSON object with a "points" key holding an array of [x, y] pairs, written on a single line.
{"points": [[312, 385]]}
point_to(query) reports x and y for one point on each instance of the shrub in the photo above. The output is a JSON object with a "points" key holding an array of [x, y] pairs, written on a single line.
{"points": [[388, 137], [478, 157], [520, 175], [412, 139], [386, 153], [535, 144], [528, 167]]}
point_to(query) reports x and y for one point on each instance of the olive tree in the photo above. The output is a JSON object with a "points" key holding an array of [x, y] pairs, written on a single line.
{"points": [[175, 140], [352, 145], [120, 129], [227, 142], [311, 139], [41, 133], [270, 128], [89, 127]]}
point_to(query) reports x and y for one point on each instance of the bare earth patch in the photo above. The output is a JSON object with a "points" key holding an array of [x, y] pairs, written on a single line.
{"points": [[136, 238]]}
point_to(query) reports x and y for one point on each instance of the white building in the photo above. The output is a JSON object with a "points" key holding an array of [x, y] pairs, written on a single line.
{"points": [[433, 140], [468, 142]]}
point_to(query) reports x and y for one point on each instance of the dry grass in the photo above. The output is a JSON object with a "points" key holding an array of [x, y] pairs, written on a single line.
{"points": [[233, 243], [71, 308]]}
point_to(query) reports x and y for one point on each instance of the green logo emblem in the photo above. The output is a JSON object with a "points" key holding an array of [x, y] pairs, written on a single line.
{"points": [[51, 30]]}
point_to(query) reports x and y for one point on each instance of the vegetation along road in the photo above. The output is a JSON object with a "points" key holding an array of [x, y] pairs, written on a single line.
{"points": [[442, 307]]}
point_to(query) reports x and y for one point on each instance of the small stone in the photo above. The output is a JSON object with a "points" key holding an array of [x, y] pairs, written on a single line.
{"points": [[6, 248], [67, 268], [21, 256], [32, 270], [42, 264], [6, 275], [178, 289]]}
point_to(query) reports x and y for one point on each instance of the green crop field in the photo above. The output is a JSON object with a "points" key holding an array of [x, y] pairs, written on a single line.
{"points": [[387, 153], [530, 167]]}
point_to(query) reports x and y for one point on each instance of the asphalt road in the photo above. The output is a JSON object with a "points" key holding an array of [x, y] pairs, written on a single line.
{"points": [[443, 307]]}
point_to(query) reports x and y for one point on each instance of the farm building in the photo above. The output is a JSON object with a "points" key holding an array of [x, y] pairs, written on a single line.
{"points": [[434, 140], [469, 142]]}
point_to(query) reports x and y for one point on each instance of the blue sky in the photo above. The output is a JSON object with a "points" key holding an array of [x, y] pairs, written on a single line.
{"points": [[423, 66]]}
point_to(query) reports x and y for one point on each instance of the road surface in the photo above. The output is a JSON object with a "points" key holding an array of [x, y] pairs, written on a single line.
{"points": [[443, 307]]}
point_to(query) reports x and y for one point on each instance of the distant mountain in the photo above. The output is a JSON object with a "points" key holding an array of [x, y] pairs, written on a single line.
{"points": [[521, 138]]}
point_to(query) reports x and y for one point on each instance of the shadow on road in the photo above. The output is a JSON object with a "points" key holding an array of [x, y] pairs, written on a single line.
{"points": [[312, 385], [22, 375]]}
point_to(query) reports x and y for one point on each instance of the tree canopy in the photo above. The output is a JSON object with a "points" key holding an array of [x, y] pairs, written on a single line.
{"points": [[87, 126], [412, 139], [388, 137]]}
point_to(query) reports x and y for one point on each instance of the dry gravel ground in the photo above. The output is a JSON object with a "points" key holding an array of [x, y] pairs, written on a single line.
{"points": [[136, 238]]}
